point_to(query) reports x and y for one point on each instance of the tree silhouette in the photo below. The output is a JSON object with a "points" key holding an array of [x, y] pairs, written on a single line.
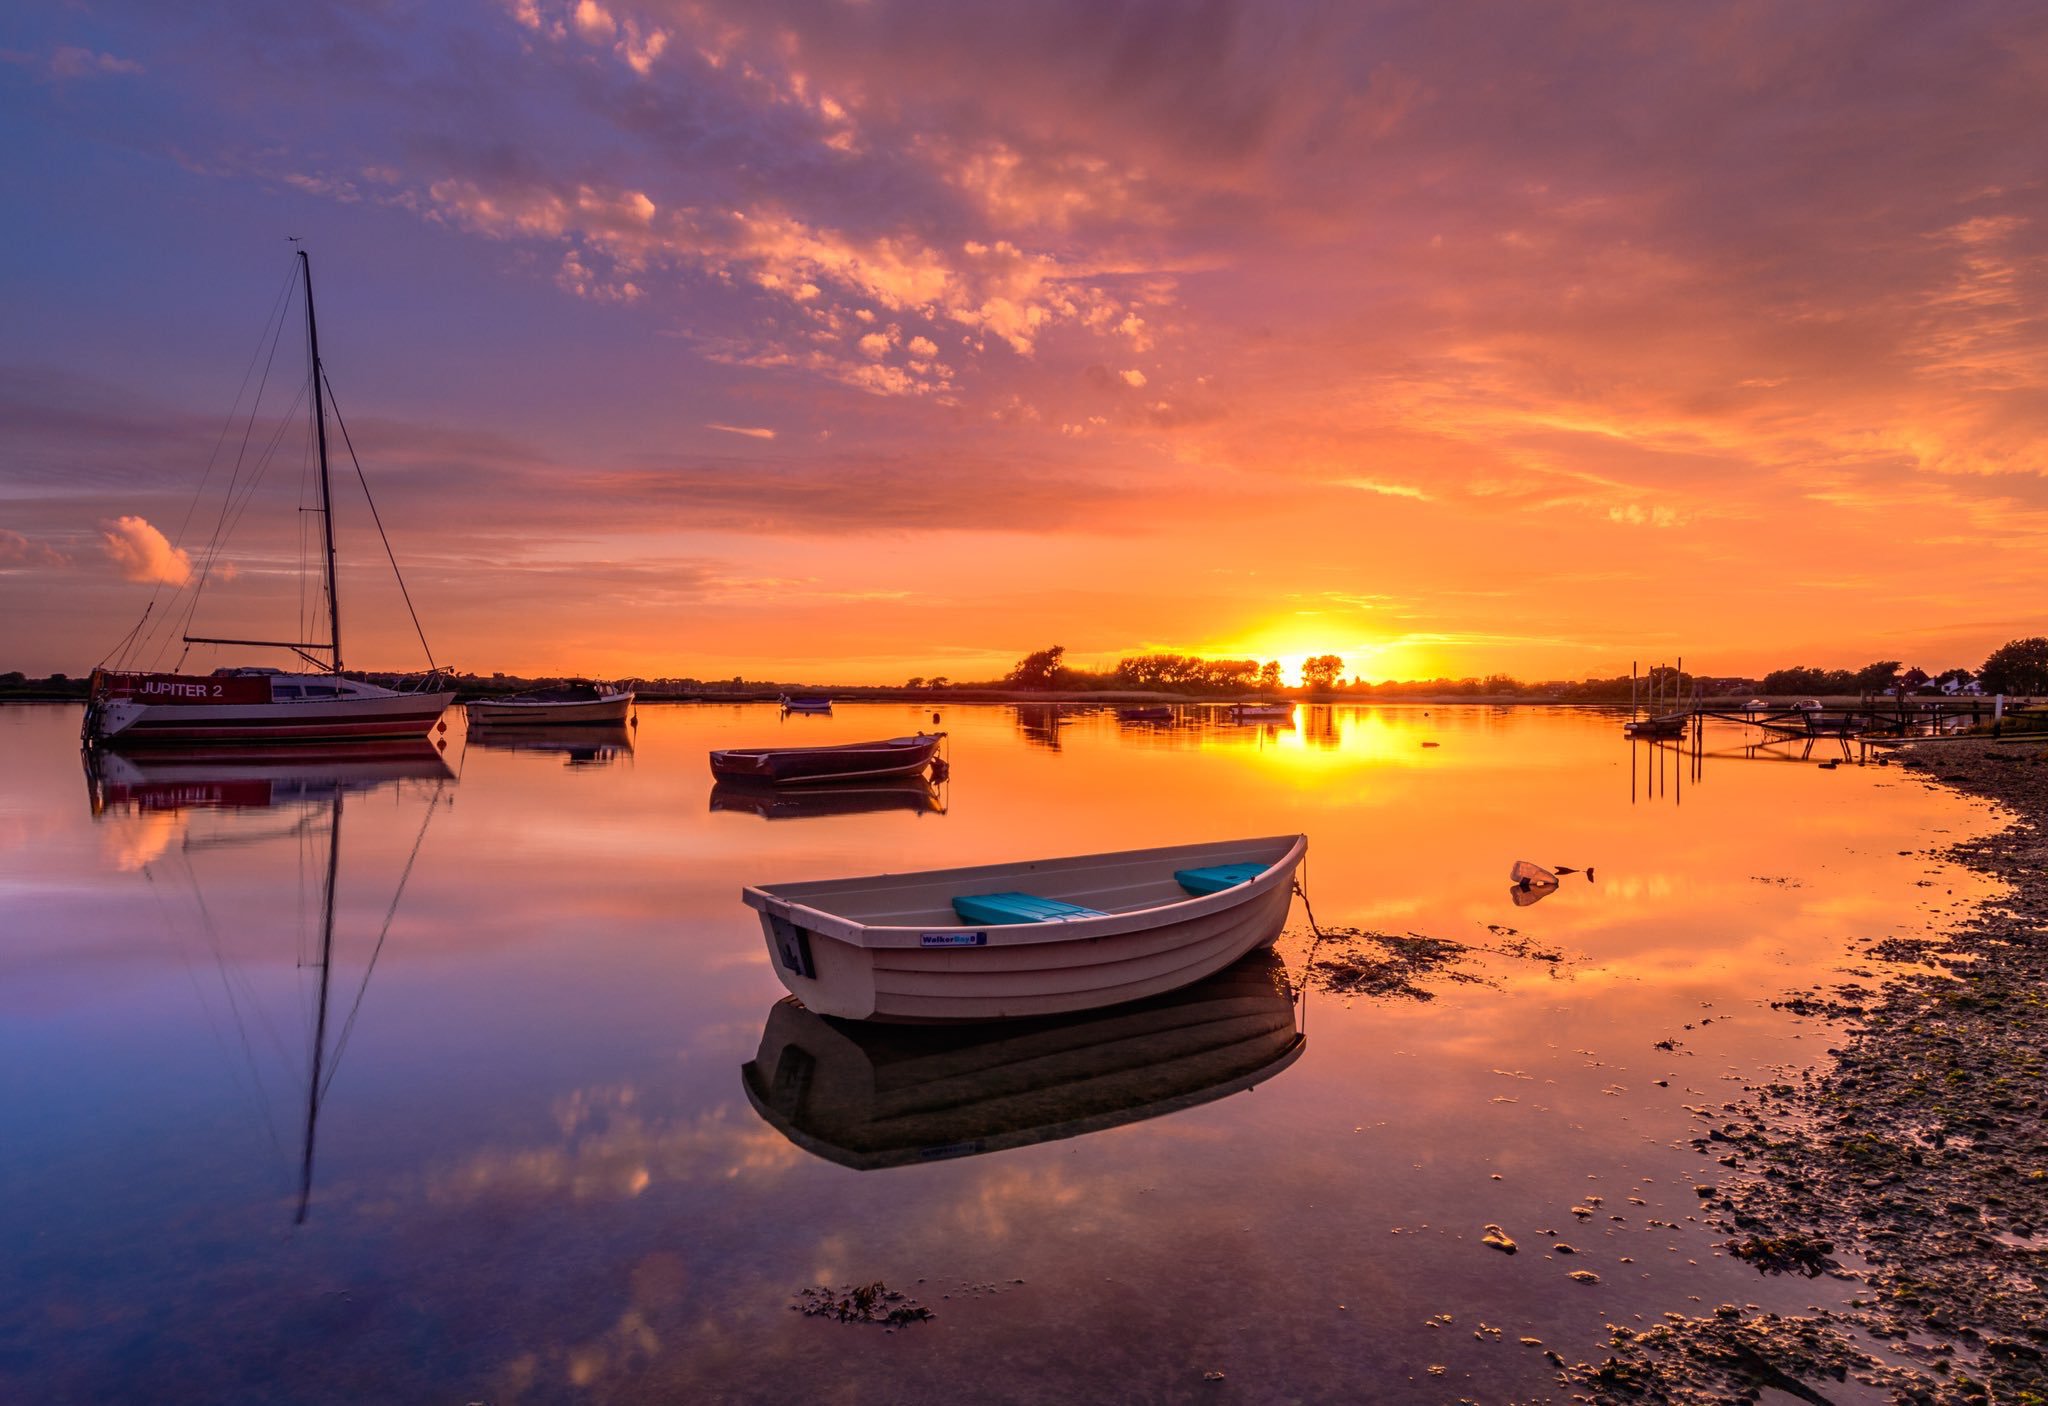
{"points": [[1320, 672], [2018, 666], [1040, 669]]}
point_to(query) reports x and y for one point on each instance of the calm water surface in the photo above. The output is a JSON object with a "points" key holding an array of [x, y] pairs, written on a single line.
{"points": [[537, 1175]]}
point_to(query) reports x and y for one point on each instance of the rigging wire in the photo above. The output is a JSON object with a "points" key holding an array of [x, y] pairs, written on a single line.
{"points": [[236, 507], [379, 520], [223, 528], [278, 306]]}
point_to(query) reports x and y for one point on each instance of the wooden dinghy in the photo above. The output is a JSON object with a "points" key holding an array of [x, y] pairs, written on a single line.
{"points": [[866, 1095], [1038, 937], [849, 761]]}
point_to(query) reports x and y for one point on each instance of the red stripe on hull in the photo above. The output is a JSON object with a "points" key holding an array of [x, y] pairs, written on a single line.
{"points": [[153, 731]]}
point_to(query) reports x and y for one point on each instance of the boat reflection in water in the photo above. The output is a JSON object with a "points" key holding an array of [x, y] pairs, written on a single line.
{"points": [[252, 778], [297, 794], [577, 744], [911, 793], [866, 1095]]}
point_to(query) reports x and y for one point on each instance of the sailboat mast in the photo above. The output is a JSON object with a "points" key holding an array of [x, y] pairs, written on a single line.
{"points": [[320, 432]]}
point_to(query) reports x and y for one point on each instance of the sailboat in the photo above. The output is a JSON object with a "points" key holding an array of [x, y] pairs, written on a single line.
{"points": [[265, 705]]}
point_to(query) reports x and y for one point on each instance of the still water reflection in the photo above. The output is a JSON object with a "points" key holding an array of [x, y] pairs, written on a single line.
{"points": [[561, 1154]]}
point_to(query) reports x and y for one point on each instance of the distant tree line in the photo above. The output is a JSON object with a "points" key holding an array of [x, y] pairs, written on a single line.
{"points": [[2019, 667]]}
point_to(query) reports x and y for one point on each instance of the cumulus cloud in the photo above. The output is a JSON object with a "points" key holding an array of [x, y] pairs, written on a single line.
{"points": [[142, 553]]}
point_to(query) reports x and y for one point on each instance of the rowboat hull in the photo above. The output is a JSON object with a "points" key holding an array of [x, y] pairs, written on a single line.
{"points": [[612, 708], [857, 761], [890, 948], [869, 1096]]}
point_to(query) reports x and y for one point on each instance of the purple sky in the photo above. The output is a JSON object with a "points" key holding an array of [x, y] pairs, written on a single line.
{"points": [[848, 341]]}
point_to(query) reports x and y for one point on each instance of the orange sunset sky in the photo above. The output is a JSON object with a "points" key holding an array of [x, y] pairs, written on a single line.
{"points": [[844, 340]]}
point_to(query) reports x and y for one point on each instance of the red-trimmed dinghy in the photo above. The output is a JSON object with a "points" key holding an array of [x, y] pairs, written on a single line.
{"points": [[850, 761]]}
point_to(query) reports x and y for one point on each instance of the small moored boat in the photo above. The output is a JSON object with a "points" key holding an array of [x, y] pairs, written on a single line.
{"points": [[1037, 937], [850, 761], [1665, 725], [1148, 713], [579, 701], [1262, 712], [805, 705]]}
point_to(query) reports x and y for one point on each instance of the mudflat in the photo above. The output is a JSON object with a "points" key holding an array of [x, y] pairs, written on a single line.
{"points": [[1917, 1163]]}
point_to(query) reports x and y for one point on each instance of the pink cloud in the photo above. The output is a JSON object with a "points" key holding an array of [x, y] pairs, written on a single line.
{"points": [[143, 554]]}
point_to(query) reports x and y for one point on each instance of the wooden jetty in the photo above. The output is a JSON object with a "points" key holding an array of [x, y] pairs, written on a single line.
{"points": [[1868, 718]]}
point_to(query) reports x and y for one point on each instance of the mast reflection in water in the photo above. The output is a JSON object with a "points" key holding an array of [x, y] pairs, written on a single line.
{"points": [[869, 1095], [245, 792]]}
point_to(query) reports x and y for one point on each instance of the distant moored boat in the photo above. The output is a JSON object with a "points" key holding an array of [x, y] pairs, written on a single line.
{"points": [[850, 761], [577, 702]]}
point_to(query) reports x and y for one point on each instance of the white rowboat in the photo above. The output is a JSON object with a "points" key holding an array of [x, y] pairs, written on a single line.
{"points": [[1051, 935], [571, 703]]}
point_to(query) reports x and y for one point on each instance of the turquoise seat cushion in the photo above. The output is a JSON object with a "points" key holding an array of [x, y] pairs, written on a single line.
{"points": [[995, 908], [1217, 877]]}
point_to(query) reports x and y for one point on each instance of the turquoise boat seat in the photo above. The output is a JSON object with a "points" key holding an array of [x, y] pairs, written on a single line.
{"points": [[998, 908], [1217, 877]]}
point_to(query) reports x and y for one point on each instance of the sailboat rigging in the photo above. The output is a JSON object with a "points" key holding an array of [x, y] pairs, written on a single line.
{"points": [[263, 705]]}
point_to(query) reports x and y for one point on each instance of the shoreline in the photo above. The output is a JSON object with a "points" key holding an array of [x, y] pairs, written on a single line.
{"points": [[1920, 1157]]}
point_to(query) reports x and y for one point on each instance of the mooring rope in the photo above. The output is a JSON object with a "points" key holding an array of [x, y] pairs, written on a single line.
{"points": [[1308, 966]]}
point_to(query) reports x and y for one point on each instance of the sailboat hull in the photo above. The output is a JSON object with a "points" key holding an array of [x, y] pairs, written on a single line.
{"points": [[125, 722]]}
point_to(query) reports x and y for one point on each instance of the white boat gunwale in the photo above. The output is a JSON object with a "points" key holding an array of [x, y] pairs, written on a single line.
{"points": [[1112, 923], [884, 746]]}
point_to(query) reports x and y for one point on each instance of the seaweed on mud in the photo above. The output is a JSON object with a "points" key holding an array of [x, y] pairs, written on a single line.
{"points": [[1736, 1356], [861, 1303], [1353, 961], [1786, 1254]]}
